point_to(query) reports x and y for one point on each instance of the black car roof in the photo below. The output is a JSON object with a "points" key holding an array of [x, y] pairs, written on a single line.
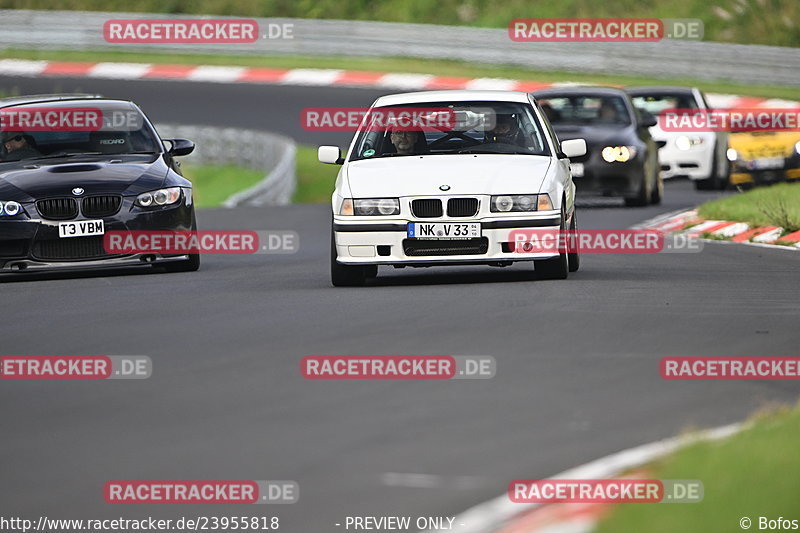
{"points": [[582, 90], [659, 89], [56, 99]]}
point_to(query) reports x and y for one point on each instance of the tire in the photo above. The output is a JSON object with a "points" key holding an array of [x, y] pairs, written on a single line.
{"points": [[573, 257], [715, 181], [640, 200], [556, 267], [187, 265], [348, 275], [658, 190]]}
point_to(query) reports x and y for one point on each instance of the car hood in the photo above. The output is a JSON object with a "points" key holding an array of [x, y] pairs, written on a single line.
{"points": [[463, 174], [34, 180], [595, 135]]}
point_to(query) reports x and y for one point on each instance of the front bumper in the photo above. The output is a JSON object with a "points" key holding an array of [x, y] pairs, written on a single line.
{"points": [[743, 172], [386, 242], [601, 178], [695, 163], [34, 244]]}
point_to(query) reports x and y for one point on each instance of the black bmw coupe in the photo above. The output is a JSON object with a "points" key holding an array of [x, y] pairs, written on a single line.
{"points": [[73, 168]]}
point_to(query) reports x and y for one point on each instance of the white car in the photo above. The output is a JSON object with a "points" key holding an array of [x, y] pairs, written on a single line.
{"points": [[454, 193], [699, 156]]}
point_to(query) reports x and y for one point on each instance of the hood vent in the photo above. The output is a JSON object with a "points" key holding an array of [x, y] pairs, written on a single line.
{"points": [[62, 169]]}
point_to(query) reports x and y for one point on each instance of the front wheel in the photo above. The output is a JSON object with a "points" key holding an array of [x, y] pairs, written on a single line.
{"points": [[348, 275], [573, 257], [556, 267]]}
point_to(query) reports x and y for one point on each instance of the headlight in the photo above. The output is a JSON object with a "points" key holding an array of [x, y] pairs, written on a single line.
{"points": [[520, 202], [371, 207], [732, 155], [159, 197], [9, 208], [684, 143], [797, 147], [618, 153]]}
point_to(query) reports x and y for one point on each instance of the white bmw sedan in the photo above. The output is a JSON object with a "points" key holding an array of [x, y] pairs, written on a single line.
{"points": [[451, 188]]}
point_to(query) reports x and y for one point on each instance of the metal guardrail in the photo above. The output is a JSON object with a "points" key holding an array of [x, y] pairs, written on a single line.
{"points": [[751, 64], [257, 150]]}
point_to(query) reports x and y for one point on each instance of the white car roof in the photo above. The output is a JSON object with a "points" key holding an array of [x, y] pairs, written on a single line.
{"points": [[451, 96]]}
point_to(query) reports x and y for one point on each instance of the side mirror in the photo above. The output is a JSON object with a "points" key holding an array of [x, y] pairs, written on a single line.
{"points": [[180, 146], [331, 155], [648, 120], [573, 148]]}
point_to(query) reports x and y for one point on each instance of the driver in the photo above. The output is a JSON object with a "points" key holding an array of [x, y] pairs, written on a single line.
{"points": [[608, 112], [505, 130], [18, 146], [404, 141]]}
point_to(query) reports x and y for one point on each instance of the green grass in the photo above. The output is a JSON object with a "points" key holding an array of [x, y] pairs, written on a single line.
{"points": [[214, 184], [776, 205], [392, 64], [752, 474], [772, 22], [315, 180]]}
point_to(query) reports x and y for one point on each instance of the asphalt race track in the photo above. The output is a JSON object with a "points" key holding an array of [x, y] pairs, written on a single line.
{"points": [[577, 360]]}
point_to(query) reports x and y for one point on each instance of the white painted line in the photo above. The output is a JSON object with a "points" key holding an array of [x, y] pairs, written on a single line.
{"points": [[488, 516], [734, 229], [491, 84], [404, 81], [722, 100], [311, 76], [119, 71], [665, 218], [703, 226], [216, 74], [21, 67], [768, 236], [777, 102], [430, 481]]}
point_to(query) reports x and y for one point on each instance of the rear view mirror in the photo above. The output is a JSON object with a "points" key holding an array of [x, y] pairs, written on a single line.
{"points": [[648, 120], [573, 148], [180, 146], [331, 155]]}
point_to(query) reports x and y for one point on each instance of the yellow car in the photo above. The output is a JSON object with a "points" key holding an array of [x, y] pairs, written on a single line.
{"points": [[764, 157]]}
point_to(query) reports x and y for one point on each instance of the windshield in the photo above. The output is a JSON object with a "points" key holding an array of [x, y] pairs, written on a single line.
{"points": [[468, 128], [35, 132], [657, 103], [586, 110]]}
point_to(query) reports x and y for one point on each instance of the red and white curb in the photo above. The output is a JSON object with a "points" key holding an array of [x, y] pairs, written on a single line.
{"points": [[501, 515], [690, 223], [310, 77]]}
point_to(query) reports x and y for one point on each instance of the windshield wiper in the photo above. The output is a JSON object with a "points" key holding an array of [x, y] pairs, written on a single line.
{"points": [[55, 156], [496, 152]]}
